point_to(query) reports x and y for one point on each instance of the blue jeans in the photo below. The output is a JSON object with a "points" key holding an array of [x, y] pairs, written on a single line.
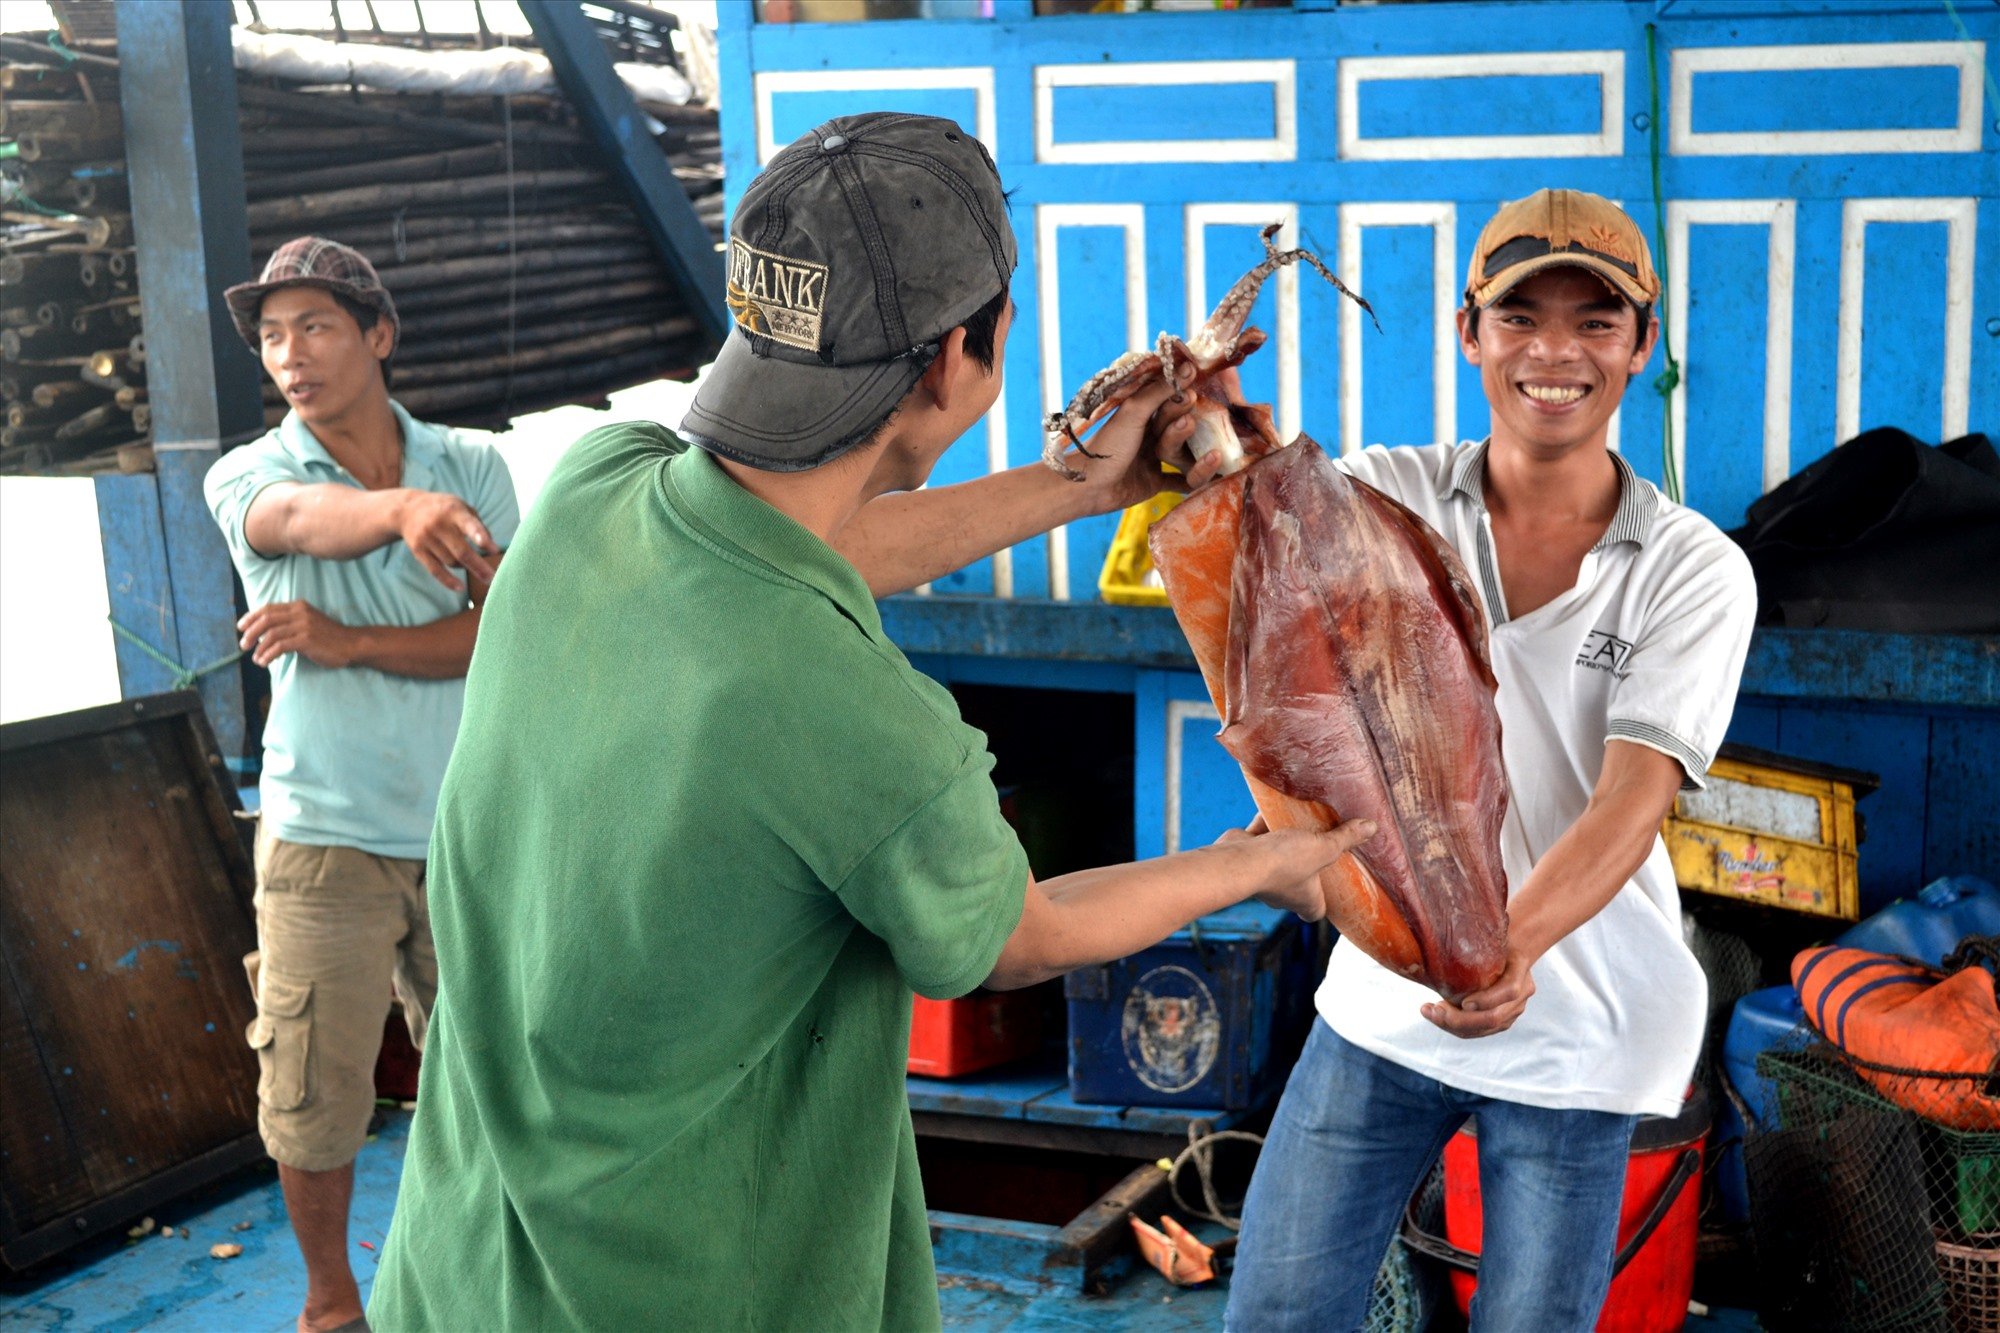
{"points": [[1353, 1138]]}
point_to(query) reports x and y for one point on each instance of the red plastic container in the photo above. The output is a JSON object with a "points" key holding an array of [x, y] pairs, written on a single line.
{"points": [[974, 1032], [1662, 1186]]}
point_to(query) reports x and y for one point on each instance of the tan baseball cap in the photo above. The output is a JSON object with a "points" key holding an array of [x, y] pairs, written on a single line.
{"points": [[1553, 228]]}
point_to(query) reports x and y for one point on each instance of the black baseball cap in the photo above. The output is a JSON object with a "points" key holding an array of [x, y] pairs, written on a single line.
{"points": [[861, 245]]}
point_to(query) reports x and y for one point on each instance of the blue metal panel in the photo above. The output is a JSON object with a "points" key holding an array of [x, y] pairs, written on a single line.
{"points": [[1091, 267], [1508, 104], [1962, 827], [1825, 99], [1723, 346], [1097, 114], [1903, 327], [1754, 724], [1396, 364], [1894, 745], [135, 577], [793, 113], [185, 152]]}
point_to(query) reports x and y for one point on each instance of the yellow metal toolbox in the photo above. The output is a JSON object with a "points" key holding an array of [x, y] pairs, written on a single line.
{"points": [[1774, 830]]}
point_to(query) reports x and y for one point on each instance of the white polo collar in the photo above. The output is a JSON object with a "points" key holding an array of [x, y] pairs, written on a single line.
{"points": [[1638, 502]]}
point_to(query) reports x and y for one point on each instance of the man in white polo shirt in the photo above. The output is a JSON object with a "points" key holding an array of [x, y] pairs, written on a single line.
{"points": [[1620, 622]]}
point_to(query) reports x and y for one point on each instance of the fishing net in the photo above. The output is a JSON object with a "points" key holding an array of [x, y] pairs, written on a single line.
{"points": [[1865, 1216], [1408, 1289]]}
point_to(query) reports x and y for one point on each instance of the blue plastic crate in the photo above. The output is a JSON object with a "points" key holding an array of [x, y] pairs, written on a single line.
{"points": [[1212, 1016]]}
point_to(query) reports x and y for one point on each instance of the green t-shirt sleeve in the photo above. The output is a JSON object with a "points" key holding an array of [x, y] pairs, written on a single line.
{"points": [[945, 888]]}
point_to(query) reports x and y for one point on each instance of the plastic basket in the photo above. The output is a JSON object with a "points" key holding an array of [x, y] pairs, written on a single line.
{"points": [[1127, 578], [1971, 1286]]}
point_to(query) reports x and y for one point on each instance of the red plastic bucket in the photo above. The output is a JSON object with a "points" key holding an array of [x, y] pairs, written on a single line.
{"points": [[1657, 1224]]}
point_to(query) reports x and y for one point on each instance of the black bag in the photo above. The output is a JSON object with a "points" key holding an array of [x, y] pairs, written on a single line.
{"points": [[1885, 533]]}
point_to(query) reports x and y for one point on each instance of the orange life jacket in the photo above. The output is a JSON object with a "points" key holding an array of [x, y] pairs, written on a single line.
{"points": [[1928, 1042]]}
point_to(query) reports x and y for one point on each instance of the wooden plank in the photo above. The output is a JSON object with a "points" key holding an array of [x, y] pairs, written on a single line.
{"points": [[123, 923]]}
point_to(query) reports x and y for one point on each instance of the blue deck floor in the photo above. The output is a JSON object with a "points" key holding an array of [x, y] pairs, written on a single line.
{"points": [[171, 1285], [118, 1285]]}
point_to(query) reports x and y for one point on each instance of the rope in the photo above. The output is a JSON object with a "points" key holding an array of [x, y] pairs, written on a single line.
{"points": [[184, 677], [1670, 378], [1199, 1151], [69, 57]]}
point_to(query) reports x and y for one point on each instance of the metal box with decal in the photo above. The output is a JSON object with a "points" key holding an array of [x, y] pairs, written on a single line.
{"points": [[1209, 1017]]}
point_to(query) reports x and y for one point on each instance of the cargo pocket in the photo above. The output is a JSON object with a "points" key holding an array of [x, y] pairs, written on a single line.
{"points": [[281, 1034]]}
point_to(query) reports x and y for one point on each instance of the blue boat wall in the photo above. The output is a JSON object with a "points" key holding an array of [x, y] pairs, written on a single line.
{"points": [[1826, 213]]}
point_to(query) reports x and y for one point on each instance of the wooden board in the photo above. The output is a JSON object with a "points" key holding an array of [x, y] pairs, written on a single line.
{"points": [[124, 918]]}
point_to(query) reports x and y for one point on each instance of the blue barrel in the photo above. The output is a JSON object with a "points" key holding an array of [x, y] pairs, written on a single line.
{"points": [[1930, 925], [1762, 1020]]}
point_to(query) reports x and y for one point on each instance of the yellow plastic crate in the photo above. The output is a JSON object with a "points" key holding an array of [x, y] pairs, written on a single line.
{"points": [[1127, 578], [1771, 830]]}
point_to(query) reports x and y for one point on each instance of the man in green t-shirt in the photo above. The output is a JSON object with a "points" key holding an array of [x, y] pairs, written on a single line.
{"points": [[705, 828]]}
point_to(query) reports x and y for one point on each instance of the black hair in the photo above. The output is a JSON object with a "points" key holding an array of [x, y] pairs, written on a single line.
{"points": [[982, 329], [367, 316]]}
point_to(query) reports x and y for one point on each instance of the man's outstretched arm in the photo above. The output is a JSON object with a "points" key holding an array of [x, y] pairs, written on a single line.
{"points": [[1574, 881], [335, 522], [1095, 916], [907, 538]]}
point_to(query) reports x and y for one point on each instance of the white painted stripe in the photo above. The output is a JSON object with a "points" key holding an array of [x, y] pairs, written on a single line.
{"points": [[1180, 712], [996, 462], [1174, 77], [1442, 219], [978, 79], [1960, 217], [1609, 141], [1780, 217], [1963, 137], [1049, 219], [1200, 301]]}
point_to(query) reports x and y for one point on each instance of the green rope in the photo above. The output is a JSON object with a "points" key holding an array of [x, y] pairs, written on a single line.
{"points": [[56, 45], [184, 678], [1670, 378]]}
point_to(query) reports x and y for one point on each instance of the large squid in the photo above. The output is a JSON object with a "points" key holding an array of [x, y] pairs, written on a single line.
{"points": [[1346, 653]]}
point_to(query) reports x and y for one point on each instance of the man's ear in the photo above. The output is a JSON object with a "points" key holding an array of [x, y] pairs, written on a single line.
{"points": [[1643, 351], [940, 378], [381, 338], [1467, 343]]}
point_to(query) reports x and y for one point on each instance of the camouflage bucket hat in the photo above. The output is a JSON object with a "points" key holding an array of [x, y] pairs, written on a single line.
{"points": [[313, 261]]}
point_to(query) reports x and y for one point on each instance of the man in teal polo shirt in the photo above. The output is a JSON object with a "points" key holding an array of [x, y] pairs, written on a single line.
{"points": [[346, 524], [706, 829]]}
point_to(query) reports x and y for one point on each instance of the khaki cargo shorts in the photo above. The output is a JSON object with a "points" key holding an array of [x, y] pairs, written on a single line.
{"points": [[337, 928]]}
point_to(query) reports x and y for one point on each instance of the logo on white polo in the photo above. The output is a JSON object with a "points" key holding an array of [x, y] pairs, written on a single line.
{"points": [[1604, 651], [782, 299]]}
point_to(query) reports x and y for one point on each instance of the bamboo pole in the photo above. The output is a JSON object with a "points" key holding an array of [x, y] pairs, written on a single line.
{"points": [[493, 297], [493, 341], [76, 119], [319, 109], [482, 159], [367, 198], [578, 260], [653, 287], [548, 354]]}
